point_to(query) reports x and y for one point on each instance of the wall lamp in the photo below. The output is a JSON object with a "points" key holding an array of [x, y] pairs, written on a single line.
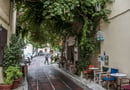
{"points": [[0, 27]]}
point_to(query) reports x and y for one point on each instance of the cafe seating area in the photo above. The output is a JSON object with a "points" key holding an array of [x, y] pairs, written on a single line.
{"points": [[108, 77]]}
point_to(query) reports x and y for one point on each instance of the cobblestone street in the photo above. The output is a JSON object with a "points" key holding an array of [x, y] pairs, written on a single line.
{"points": [[46, 77]]}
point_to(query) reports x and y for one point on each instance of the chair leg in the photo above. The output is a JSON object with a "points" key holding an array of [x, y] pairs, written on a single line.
{"points": [[108, 84], [103, 83]]}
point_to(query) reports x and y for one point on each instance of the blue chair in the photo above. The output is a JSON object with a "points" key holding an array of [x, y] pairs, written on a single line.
{"points": [[114, 70], [110, 79]]}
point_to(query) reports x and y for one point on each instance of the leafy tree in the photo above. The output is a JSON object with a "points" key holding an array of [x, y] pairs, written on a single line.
{"points": [[52, 20]]}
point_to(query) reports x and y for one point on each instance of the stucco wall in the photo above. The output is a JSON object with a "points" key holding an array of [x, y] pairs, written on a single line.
{"points": [[117, 37], [4, 10], [119, 6], [5, 21], [5, 15]]}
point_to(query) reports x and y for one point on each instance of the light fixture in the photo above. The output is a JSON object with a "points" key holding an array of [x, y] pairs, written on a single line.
{"points": [[0, 27]]}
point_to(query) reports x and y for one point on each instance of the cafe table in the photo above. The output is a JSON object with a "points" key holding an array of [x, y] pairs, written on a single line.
{"points": [[118, 75], [94, 71]]}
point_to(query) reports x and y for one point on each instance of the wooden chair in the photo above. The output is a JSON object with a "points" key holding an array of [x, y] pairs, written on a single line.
{"points": [[88, 72], [125, 83]]}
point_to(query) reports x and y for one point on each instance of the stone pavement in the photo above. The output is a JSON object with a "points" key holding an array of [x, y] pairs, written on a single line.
{"points": [[81, 81], [58, 78], [45, 77]]}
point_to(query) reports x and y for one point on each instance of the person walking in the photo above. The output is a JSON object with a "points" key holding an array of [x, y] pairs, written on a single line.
{"points": [[46, 59], [52, 58]]}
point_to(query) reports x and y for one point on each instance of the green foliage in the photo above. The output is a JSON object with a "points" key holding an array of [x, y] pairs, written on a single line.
{"points": [[87, 45], [61, 8], [82, 65], [47, 19], [14, 72], [91, 19], [13, 53], [53, 20], [8, 81]]}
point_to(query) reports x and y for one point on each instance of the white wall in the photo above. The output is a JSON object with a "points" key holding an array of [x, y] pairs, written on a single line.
{"points": [[119, 6], [117, 37]]}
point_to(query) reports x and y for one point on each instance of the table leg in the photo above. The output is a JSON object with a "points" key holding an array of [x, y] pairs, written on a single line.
{"points": [[108, 84], [94, 74]]}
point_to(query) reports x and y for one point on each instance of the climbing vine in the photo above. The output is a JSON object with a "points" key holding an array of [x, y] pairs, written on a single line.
{"points": [[47, 19]]}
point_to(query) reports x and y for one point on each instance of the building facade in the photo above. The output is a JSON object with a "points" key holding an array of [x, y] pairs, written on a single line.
{"points": [[117, 36], [7, 26]]}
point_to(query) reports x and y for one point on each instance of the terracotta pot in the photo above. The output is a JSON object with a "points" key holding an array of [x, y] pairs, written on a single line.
{"points": [[5, 87], [16, 83]]}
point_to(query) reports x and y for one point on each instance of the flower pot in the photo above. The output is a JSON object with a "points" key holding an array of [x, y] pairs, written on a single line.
{"points": [[16, 83], [5, 87]]}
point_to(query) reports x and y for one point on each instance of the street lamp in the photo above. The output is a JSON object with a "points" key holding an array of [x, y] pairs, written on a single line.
{"points": [[0, 27]]}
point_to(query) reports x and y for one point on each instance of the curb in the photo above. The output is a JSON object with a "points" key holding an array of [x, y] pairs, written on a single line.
{"points": [[85, 84]]}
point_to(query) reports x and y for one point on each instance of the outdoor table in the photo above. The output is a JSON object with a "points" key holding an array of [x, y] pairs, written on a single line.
{"points": [[94, 69], [118, 75]]}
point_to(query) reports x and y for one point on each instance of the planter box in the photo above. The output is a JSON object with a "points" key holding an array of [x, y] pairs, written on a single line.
{"points": [[16, 83], [5, 87]]}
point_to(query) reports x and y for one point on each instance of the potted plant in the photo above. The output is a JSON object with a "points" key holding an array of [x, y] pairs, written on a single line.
{"points": [[16, 75], [12, 57], [8, 81], [7, 85]]}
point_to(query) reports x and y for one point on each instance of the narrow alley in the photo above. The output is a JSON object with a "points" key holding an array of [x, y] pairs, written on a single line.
{"points": [[46, 77]]}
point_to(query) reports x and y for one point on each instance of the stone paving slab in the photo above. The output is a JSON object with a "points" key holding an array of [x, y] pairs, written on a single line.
{"points": [[45, 77]]}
